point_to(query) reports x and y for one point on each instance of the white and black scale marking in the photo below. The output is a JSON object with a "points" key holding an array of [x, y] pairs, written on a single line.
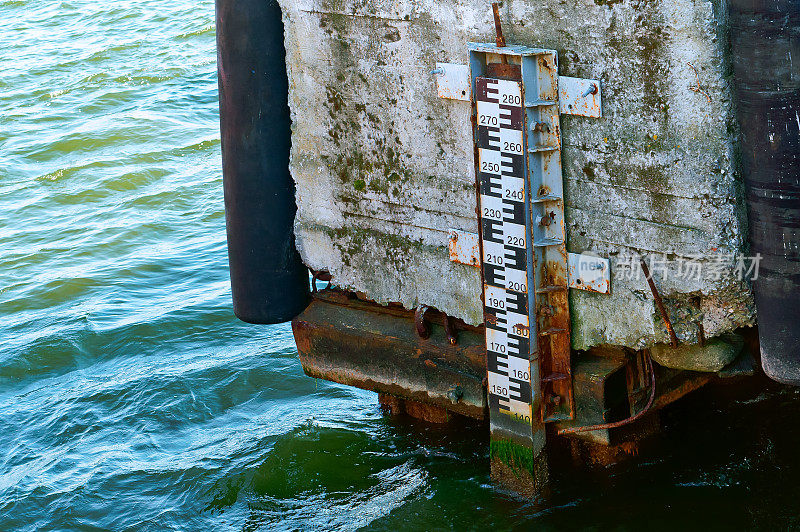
{"points": [[501, 168]]}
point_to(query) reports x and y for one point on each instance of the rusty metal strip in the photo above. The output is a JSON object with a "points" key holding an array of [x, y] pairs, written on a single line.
{"points": [[673, 339], [549, 237], [374, 347], [498, 28]]}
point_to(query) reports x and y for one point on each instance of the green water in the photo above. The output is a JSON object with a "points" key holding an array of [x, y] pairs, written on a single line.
{"points": [[130, 397]]}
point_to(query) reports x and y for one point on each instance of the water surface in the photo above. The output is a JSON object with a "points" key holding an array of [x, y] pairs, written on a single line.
{"points": [[131, 398]]}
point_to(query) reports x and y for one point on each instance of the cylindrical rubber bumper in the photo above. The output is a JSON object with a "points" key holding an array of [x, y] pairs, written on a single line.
{"points": [[765, 47], [269, 282]]}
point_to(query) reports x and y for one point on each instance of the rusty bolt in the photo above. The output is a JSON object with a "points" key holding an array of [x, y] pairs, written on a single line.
{"points": [[450, 330], [556, 400], [420, 324], [591, 90], [538, 127]]}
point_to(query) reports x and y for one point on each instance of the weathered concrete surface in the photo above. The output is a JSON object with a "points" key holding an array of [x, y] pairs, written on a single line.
{"points": [[384, 168], [713, 356]]}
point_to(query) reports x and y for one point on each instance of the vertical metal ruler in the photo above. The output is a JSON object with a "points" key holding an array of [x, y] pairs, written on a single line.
{"points": [[505, 244], [523, 246]]}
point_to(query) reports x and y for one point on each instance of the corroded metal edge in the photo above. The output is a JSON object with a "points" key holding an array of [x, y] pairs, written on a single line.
{"points": [[377, 348], [351, 341]]}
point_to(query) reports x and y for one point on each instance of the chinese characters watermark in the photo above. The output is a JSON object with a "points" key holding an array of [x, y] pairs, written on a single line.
{"points": [[693, 268]]}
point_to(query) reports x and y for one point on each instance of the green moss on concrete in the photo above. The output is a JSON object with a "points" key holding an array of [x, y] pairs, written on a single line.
{"points": [[387, 138], [335, 101], [381, 170], [351, 241]]}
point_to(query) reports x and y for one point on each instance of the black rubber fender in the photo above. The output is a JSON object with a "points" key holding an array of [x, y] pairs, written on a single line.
{"points": [[269, 282], [765, 54]]}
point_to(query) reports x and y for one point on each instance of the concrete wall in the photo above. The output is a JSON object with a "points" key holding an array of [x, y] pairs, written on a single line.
{"points": [[384, 167]]}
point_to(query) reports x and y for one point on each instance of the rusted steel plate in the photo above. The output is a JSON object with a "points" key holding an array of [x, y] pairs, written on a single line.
{"points": [[604, 393], [452, 81], [578, 96], [549, 240], [588, 272], [464, 248], [376, 348]]}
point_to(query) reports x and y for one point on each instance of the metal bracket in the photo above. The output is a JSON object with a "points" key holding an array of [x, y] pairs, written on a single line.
{"points": [[464, 248], [585, 271], [576, 96], [581, 97], [589, 272], [452, 81]]}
